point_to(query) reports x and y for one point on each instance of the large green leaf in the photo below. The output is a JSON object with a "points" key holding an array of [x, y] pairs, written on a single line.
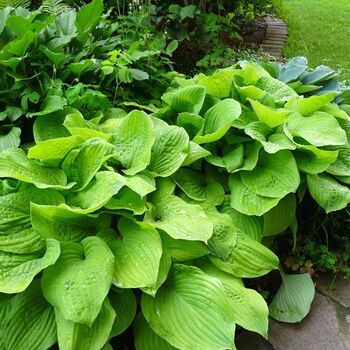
{"points": [[80, 280], [30, 322], [89, 15], [327, 192], [18, 270], [218, 84], [187, 99], [124, 303], [195, 152], [191, 311], [270, 116], [15, 164], [280, 217], [218, 119], [245, 201], [341, 166], [16, 232], [51, 103], [133, 141], [249, 308], [9, 137], [293, 299], [82, 164], [54, 148], [180, 220], [137, 254], [98, 192], [310, 104], [319, 129], [65, 224], [77, 336], [248, 258], [145, 338], [274, 176]]}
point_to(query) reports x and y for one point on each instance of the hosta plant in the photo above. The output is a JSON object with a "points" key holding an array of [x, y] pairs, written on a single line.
{"points": [[156, 218]]}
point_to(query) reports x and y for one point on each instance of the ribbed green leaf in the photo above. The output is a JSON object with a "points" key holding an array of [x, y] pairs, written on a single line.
{"points": [[169, 150], [65, 224], [80, 280], [191, 311], [293, 299], [146, 339], [137, 254], [133, 141], [274, 176], [76, 336], [18, 270], [270, 116], [9, 137], [15, 164], [248, 258], [327, 192], [30, 322], [180, 220], [88, 16], [341, 166]]}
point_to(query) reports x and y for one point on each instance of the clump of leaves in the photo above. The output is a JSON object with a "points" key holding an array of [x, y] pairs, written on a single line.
{"points": [[167, 209]]}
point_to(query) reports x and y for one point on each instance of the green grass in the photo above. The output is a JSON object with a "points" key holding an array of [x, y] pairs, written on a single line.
{"points": [[320, 31]]}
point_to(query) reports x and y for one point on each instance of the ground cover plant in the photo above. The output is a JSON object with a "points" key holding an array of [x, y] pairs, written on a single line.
{"points": [[159, 218]]}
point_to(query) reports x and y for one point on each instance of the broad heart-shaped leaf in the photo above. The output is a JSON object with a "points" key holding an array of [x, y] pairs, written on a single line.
{"points": [[218, 119], [142, 183], [327, 192], [98, 192], [133, 142], [191, 311], [319, 74], [82, 164], [169, 150], [311, 104], [250, 225], [179, 219], [274, 176], [137, 254], [145, 338], [313, 160], [15, 164], [270, 116], [293, 299], [196, 187], [219, 84], [245, 201], [54, 148], [80, 280], [64, 224], [17, 234], [9, 137], [76, 336], [187, 99], [195, 152], [341, 166], [248, 258], [30, 322], [281, 216], [124, 303], [249, 308], [293, 69], [51, 103], [18, 270], [279, 91], [51, 126], [319, 129], [89, 16], [224, 236], [191, 122]]}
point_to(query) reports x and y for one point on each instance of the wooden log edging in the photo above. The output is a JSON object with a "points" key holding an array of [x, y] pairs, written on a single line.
{"points": [[275, 37]]}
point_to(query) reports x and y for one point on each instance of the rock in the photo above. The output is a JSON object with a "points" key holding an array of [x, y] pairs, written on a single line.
{"points": [[325, 328]]}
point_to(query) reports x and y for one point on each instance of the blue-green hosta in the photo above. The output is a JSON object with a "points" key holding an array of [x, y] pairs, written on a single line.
{"points": [[156, 218]]}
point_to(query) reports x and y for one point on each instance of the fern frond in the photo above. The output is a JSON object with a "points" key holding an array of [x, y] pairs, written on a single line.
{"points": [[54, 7], [15, 3]]}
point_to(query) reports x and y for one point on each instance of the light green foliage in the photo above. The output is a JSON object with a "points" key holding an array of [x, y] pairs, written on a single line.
{"points": [[117, 208]]}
